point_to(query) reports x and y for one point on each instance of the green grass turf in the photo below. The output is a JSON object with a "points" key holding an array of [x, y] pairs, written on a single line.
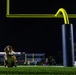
{"points": [[38, 70]]}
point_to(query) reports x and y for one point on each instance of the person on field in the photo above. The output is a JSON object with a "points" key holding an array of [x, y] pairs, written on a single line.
{"points": [[9, 52]]}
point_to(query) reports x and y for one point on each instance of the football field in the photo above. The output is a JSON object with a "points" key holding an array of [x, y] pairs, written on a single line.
{"points": [[38, 70]]}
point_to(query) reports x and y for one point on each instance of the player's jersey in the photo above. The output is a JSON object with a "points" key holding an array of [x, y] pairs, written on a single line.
{"points": [[11, 53], [5, 56]]}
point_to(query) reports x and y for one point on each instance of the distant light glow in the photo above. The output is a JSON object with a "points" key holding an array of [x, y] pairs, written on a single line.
{"points": [[15, 52], [2, 52]]}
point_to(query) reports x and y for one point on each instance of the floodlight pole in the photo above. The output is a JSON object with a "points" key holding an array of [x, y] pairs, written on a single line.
{"points": [[25, 57], [67, 40], [33, 57]]}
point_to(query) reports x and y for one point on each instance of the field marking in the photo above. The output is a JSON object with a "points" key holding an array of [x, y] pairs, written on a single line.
{"points": [[36, 66], [40, 66]]}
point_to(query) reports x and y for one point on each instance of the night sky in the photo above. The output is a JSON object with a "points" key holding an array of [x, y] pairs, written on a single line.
{"points": [[34, 35]]}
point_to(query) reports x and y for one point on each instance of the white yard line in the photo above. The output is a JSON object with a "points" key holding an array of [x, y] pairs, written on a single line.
{"points": [[39, 66], [36, 66]]}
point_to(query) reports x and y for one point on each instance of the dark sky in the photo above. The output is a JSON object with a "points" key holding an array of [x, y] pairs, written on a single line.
{"points": [[34, 35]]}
